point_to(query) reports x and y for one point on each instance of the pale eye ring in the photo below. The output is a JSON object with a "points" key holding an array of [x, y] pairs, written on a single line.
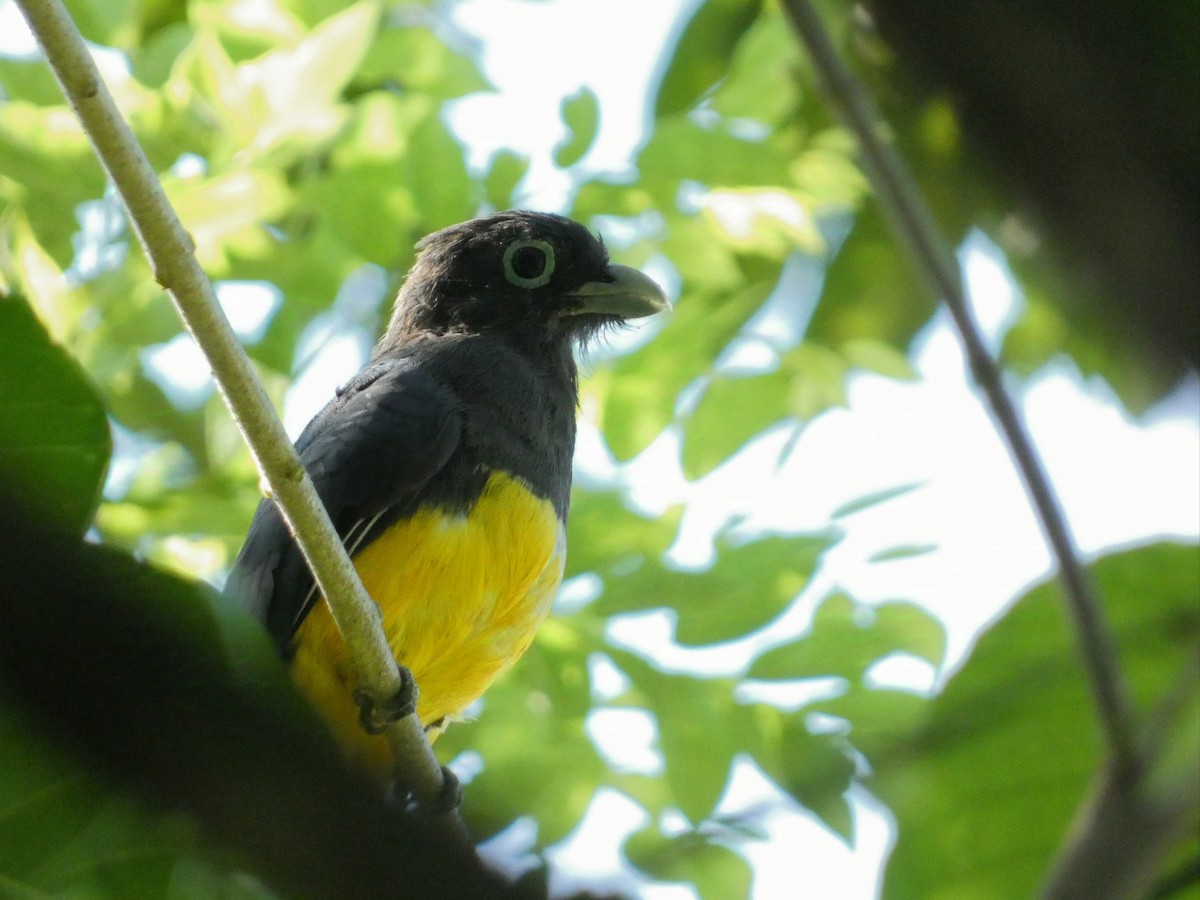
{"points": [[529, 264]]}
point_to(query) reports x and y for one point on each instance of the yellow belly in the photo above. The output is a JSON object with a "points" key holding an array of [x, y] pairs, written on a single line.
{"points": [[461, 598]]}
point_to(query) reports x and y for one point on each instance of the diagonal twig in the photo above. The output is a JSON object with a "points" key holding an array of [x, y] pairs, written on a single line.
{"points": [[915, 228], [170, 251]]}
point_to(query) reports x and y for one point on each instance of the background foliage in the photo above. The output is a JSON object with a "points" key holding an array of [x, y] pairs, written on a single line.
{"points": [[306, 150]]}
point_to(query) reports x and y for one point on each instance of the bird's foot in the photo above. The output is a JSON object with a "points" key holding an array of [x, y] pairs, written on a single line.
{"points": [[447, 800], [376, 713]]}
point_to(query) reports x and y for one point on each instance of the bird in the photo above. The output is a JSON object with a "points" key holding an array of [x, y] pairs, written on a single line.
{"points": [[445, 465]]}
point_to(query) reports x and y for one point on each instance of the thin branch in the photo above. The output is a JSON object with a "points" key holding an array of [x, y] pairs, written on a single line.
{"points": [[170, 251], [1125, 831], [914, 225]]}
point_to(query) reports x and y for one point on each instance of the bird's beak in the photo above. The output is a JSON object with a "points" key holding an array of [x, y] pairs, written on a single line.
{"points": [[628, 294]]}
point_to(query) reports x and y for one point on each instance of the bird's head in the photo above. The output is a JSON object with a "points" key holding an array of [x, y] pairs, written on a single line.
{"points": [[523, 273]]}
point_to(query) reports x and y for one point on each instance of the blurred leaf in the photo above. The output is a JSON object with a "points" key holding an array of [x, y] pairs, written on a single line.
{"points": [[43, 150], [641, 390], [30, 80], [759, 81], [712, 155], [879, 718], [906, 552], [815, 769], [174, 700], [732, 410], [54, 438], [846, 638], [870, 291], [697, 731], [581, 115], [437, 174], [818, 379], [153, 64], [506, 172], [870, 500], [610, 198], [104, 23], [1017, 722], [701, 55], [229, 212], [343, 193], [1054, 323], [276, 106], [748, 587], [827, 174], [416, 59], [770, 222], [538, 760], [717, 871], [246, 37], [35, 274], [605, 536], [63, 834], [879, 358]]}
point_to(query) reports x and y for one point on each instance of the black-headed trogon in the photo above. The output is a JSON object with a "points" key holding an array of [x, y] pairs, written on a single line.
{"points": [[445, 465]]}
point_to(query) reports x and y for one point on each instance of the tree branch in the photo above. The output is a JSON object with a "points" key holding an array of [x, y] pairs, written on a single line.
{"points": [[1125, 831], [915, 228], [170, 251]]}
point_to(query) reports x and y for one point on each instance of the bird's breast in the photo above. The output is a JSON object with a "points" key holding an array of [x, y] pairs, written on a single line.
{"points": [[461, 596]]}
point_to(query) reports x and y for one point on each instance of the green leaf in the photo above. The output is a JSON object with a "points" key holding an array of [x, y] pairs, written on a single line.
{"points": [[817, 379], [715, 870], [701, 55], [878, 357], [153, 65], [62, 833], [104, 23], [760, 81], [581, 115], [605, 536], [698, 731], [416, 59], [343, 193], [608, 198], [277, 107], [54, 438], [437, 174], [173, 700], [1059, 318], [815, 769], [29, 80], [907, 551], [228, 213], [505, 174], [870, 291], [732, 410], [1017, 722], [870, 500], [45, 152], [711, 155], [537, 758], [640, 391], [846, 638], [748, 587]]}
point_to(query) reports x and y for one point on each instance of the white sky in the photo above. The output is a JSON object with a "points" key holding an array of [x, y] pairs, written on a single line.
{"points": [[1121, 481]]}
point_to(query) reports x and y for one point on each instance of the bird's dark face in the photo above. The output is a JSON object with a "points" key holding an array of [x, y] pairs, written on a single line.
{"points": [[524, 273]]}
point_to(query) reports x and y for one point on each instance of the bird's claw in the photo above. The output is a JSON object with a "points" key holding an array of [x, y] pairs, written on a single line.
{"points": [[376, 713]]}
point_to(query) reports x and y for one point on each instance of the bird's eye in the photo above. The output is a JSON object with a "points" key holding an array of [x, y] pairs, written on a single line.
{"points": [[528, 264]]}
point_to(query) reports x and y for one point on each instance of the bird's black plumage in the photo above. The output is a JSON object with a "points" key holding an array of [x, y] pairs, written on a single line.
{"points": [[474, 376]]}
